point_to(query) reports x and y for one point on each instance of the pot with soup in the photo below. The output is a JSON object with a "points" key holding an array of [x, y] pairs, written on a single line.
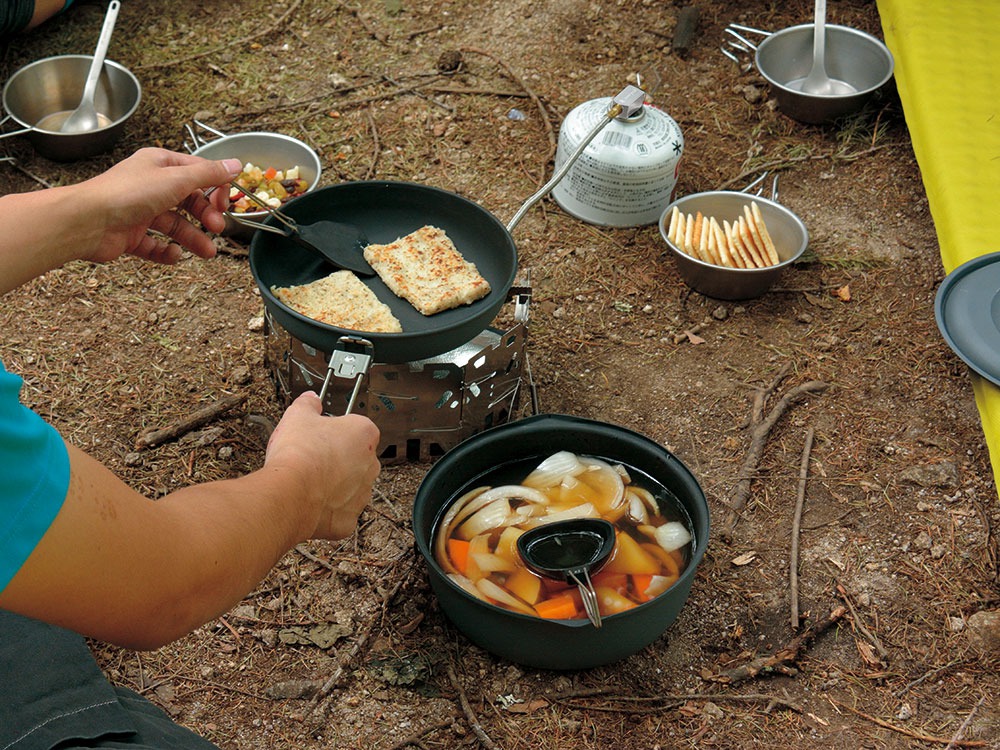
{"points": [[481, 496]]}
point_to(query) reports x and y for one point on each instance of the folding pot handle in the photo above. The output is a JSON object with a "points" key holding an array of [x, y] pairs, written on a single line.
{"points": [[737, 43], [22, 131]]}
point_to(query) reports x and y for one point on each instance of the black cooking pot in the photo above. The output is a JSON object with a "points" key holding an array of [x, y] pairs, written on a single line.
{"points": [[531, 641], [386, 211]]}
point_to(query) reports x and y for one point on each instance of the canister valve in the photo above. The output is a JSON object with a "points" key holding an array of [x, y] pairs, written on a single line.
{"points": [[631, 99]]}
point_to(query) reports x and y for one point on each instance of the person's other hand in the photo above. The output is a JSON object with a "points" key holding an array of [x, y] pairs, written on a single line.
{"points": [[332, 458], [153, 190]]}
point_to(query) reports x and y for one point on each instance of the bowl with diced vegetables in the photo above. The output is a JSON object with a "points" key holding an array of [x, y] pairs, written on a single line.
{"points": [[276, 168]]}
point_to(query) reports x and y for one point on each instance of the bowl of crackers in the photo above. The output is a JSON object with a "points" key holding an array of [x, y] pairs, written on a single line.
{"points": [[731, 245]]}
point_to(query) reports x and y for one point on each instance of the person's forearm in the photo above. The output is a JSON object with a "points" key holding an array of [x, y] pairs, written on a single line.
{"points": [[141, 573], [41, 231]]}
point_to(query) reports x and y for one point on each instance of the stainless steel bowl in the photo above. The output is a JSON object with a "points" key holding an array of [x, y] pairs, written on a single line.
{"points": [[55, 84], [264, 150], [852, 56], [786, 229]]}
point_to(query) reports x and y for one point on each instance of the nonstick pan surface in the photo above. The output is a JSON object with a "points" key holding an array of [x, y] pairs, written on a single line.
{"points": [[386, 211]]}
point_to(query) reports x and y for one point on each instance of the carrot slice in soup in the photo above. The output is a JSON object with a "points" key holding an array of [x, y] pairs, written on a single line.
{"points": [[562, 607], [458, 551]]}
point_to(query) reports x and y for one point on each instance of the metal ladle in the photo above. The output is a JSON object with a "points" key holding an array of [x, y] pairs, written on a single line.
{"points": [[340, 244], [85, 117], [818, 82], [570, 551]]}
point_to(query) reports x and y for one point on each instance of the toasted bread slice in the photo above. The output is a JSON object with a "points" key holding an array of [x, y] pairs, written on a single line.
{"points": [[340, 299], [426, 269]]}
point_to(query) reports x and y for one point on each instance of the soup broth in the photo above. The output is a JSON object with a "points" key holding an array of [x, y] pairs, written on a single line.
{"points": [[475, 537]]}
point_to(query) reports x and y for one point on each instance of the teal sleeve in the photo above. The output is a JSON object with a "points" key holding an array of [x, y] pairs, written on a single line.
{"points": [[34, 477]]}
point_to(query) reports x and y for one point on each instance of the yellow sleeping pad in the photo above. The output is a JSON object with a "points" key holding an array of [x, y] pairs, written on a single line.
{"points": [[948, 76]]}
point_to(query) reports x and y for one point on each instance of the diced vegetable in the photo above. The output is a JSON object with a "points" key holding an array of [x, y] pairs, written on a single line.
{"points": [[271, 185], [507, 545], [562, 607], [672, 535], [489, 517], [458, 553], [525, 585], [670, 564], [631, 558], [610, 602]]}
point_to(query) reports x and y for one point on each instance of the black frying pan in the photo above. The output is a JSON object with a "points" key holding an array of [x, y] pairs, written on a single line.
{"points": [[386, 211]]}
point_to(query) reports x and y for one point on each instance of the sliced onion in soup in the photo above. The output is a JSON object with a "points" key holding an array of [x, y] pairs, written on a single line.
{"points": [[553, 469]]}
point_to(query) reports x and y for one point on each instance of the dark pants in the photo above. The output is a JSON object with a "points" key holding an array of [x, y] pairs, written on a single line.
{"points": [[53, 696]]}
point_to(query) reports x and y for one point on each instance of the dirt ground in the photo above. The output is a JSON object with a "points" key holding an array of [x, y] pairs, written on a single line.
{"points": [[343, 645]]}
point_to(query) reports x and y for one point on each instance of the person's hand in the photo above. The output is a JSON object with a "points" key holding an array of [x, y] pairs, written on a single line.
{"points": [[148, 191], [333, 458]]}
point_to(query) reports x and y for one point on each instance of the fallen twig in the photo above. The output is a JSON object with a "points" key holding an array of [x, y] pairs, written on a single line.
{"points": [[203, 416], [414, 739], [783, 659], [956, 738], [769, 166], [759, 435], [470, 715], [909, 733], [793, 566], [670, 701], [856, 618]]}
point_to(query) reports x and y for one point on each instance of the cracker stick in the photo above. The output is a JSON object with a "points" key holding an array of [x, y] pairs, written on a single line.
{"points": [[672, 226], [689, 235], [722, 245], [748, 244], [772, 253], [734, 251], [758, 241]]}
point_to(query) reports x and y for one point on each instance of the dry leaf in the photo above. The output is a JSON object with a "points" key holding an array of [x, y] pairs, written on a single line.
{"points": [[843, 293], [745, 559], [868, 654], [694, 338], [818, 301], [529, 707]]}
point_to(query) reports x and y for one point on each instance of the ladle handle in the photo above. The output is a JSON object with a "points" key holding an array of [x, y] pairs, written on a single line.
{"points": [[103, 42]]}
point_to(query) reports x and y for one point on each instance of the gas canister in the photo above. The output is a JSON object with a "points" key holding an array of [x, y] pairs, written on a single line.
{"points": [[626, 176]]}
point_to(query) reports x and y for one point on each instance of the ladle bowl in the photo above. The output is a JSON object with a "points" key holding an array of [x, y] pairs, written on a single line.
{"points": [[529, 640], [570, 551]]}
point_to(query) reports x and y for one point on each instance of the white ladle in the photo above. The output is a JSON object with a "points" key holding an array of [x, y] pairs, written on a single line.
{"points": [[818, 82], [85, 117]]}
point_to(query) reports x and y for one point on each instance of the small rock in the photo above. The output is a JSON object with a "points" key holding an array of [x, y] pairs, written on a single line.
{"points": [[923, 541], [956, 624], [225, 452], [720, 313], [938, 551], [450, 61], [256, 324], [132, 459], [240, 375], [983, 630], [943, 474]]}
